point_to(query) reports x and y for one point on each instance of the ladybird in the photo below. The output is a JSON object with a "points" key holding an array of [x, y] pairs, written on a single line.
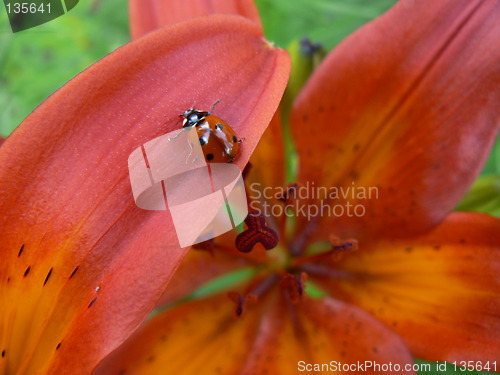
{"points": [[219, 141]]}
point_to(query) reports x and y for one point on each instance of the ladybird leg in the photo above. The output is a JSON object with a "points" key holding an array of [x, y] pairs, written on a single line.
{"points": [[178, 134], [191, 153], [213, 106], [241, 140]]}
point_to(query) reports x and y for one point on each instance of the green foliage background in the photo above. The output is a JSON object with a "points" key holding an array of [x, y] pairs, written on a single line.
{"points": [[36, 62]]}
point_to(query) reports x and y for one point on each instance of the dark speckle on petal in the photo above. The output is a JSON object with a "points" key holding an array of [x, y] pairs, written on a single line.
{"points": [[48, 276], [92, 302], [74, 272]]}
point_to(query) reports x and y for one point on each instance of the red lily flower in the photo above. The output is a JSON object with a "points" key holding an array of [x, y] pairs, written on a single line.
{"points": [[81, 265], [406, 105]]}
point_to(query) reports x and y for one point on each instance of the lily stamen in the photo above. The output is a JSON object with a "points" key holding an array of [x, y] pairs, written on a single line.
{"points": [[294, 285], [242, 302], [338, 250]]}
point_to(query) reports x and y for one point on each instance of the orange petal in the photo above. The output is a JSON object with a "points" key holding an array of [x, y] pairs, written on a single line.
{"points": [[149, 15], [267, 162], [197, 268], [266, 175], [408, 104], [81, 265], [203, 337], [441, 291]]}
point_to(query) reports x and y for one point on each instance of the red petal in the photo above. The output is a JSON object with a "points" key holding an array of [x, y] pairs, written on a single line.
{"points": [[149, 15], [441, 291], [408, 104], [66, 196], [203, 338]]}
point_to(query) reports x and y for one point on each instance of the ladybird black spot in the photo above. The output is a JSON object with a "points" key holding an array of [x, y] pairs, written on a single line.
{"points": [[219, 126], [210, 156], [27, 271], [74, 271], [203, 141], [235, 140], [48, 276], [20, 251]]}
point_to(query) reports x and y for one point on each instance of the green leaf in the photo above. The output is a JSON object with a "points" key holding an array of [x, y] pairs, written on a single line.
{"points": [[324, 21], [492, 165], [484, 196], [36, 62]]}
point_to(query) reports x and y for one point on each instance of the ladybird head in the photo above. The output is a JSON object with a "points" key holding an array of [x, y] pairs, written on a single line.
{"points": [[192, 117]]}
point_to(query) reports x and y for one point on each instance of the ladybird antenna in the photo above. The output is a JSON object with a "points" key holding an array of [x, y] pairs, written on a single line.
{"points": [[213, 106]]}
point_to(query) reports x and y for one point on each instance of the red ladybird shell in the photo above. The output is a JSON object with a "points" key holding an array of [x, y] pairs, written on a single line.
{"points": [[218, 140]]}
